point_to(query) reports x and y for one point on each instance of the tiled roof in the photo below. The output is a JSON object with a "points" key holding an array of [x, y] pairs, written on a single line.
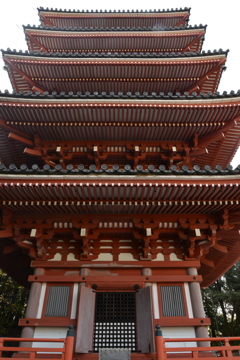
{"points": [[117, 54], [40, 9], [119, 95], [114, 170], [90, 29]]}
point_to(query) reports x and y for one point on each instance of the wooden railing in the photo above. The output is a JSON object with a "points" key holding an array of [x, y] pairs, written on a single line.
{"points": [[223, 350], [164, 350], [63, 352]]}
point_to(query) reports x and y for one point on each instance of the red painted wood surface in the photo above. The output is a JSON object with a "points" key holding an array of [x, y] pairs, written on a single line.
{"points": [[85, 320], [144, 320]]}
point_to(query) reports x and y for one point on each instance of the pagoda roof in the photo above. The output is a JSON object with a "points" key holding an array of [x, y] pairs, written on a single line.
{"points": [[173, 197], [214, 118], [116, 71], [109, 18], [26, 192], [138, 40]]}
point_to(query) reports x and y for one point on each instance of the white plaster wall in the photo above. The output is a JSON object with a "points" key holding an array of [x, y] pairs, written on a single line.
{"points": [[188, 299], [155, 301], [178, 333], [104, 257], [173, 257], [41, 301], [126, 257], [160, 257], [74, 301], [49, 333]]}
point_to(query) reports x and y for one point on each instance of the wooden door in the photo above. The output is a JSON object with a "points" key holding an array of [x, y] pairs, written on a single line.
{"points": [[85, 321], [145, 320]]}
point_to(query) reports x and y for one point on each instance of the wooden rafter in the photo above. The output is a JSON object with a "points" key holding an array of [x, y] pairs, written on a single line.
{"points": [[197, 39], [201, 81], [45, 20], [217, 134], [26, 77], [17, 134], [32, 38]]}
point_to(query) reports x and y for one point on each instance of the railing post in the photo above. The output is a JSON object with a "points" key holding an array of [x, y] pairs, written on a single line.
{"points": [[1, 346], [160, 355], [69, 343]]}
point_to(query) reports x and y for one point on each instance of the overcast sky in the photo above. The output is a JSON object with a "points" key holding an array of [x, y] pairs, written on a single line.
{"points": [[221, 17]]}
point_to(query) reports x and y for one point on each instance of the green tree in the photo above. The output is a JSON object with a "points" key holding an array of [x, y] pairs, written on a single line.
{"points": [[222, 304], [13, 301]]}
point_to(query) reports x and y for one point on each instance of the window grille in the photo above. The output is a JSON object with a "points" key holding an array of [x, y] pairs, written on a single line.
{"points": [[58, 301], [115, 322], [172, 301]]}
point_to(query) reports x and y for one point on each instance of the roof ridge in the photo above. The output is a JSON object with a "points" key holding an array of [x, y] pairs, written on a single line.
{"points": [[144, 28], [120, 95], [151, 169], [116, 54], [114, 11]]}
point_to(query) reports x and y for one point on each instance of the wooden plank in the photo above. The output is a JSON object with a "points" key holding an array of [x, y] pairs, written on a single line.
{"points": [[32, 152], [182, 321], [85, 320], [45, 322], [115, 279], [118, 264], [21, 139], [145, 320]]}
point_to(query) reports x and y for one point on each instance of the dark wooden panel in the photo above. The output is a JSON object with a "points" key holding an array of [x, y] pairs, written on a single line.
{"points": [[145, 320], [85, 320]]}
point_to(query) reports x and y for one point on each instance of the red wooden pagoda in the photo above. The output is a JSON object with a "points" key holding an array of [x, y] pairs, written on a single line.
{"points": [[117, 200]]}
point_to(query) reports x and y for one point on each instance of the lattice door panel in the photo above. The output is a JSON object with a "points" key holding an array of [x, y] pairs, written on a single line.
{"points": [[115, 323]]}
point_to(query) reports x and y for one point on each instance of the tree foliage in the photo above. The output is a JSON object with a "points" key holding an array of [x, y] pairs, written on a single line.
{"points": [[13, 301], [222, 304]]}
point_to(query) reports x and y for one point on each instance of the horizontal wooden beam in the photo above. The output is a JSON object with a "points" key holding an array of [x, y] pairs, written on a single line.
{"points": [[20, 139], [32, 152], [116, 264], [217, 135], [115, 279], [169, 321], [6, 233], [45, 322], [11, 129], [182, 321]]}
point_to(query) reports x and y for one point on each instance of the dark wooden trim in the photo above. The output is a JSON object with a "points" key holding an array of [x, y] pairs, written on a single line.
{"points": [[116, 279]]}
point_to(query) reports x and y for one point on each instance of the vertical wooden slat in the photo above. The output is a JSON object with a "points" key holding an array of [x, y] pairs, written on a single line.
{"points": [[172, 301], [58, 300], [85, 321], [145, 320]]}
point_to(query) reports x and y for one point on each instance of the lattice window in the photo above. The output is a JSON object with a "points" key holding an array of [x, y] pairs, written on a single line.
{"points": [[172, 301], [58, 301], [115, 323]]}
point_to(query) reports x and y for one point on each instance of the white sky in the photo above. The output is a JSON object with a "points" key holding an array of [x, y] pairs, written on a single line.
{"points": [[221, 17]]}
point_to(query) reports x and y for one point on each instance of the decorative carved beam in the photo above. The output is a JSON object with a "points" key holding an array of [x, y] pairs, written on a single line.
{"points": [[209, 263], [20, 139], [33, 152]]}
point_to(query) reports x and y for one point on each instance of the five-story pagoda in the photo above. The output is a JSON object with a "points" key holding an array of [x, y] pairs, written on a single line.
{"points": [[117, 200]]}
